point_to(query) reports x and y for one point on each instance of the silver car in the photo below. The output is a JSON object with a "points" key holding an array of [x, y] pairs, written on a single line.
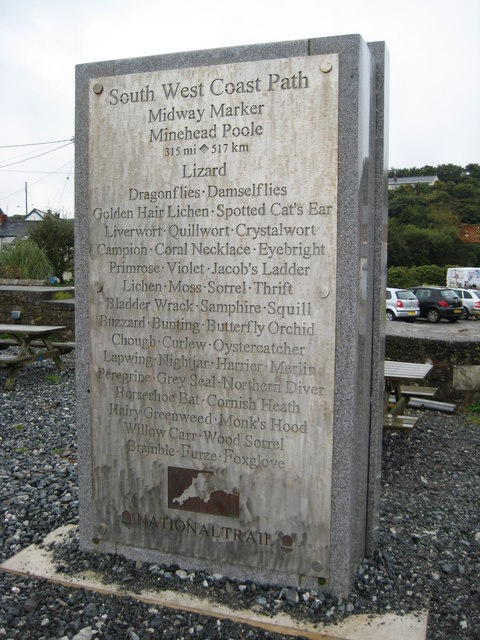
{"points": [[402, 304], [470, 302]]}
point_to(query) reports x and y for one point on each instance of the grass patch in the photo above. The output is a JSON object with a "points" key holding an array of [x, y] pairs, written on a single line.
{"points": [[54, 378], [474, 407], [62, 295]]}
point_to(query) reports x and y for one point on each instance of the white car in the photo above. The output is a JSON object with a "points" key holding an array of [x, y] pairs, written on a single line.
{"points": [[402, 304], [470, 302]]}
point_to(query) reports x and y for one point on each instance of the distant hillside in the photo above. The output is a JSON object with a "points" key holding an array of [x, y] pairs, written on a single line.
{"points": [[424, 219]]}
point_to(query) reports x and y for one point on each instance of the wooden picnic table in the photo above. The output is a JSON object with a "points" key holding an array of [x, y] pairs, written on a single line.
{"points": [[396, 375], [23, 336]]}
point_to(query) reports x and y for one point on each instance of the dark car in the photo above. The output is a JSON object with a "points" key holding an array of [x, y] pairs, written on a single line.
{"points": [[437, 303]]}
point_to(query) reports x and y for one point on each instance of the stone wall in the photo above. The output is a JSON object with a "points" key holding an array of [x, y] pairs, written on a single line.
{"points": [[444, 355], [36, 306]]}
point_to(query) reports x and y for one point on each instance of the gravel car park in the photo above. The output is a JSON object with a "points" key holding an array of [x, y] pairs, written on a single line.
{"points": [[438, 302]]}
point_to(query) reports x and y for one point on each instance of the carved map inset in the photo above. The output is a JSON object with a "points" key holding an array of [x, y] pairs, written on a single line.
{"points": [[197, 491]]}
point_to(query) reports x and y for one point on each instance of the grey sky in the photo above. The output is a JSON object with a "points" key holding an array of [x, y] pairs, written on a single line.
{"points": [[434, 48]]}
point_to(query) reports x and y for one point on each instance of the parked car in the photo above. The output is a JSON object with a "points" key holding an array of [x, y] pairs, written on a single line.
{"points": [[437, 303], [402, 304], [470, 302]]}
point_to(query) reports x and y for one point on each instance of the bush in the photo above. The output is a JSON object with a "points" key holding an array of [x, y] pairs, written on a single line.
{"points": [[403, 277], [23, 259], [56, 237]]}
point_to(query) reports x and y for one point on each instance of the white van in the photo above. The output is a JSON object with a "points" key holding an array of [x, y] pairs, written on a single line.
{"points": [[464, 277]]}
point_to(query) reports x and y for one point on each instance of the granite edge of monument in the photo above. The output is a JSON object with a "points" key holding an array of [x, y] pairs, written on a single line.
{"points": [[380, 52], [357, 448], [357, 420]]}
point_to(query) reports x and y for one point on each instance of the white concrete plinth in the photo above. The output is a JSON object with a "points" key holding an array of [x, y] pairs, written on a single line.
{"points": [[37, 561]]}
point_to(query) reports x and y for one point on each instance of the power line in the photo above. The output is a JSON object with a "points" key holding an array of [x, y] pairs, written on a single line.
{"points": [[34, 144], [33, 171], [36, 156], [70, 162], [64, 187]]}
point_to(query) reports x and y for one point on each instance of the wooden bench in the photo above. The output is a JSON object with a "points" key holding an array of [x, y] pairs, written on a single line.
{"points": [[414, 390], [7, 342], [403, 423], [35, 343], [13, 362], [422, 398], [8, 360], [397, 392], [64, 347]]}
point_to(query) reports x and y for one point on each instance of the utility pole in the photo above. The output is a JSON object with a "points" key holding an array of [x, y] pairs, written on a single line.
{"points": [[26, 200]]}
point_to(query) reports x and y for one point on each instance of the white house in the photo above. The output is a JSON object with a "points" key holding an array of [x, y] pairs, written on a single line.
{"points": [[36, 215], [394, 183]]}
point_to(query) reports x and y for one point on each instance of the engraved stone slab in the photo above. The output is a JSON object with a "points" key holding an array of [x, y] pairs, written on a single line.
{"points": [[212, 243], [230, 263]]}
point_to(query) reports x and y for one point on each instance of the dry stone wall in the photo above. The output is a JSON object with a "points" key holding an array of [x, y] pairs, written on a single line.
{"points": [[37, 307]]}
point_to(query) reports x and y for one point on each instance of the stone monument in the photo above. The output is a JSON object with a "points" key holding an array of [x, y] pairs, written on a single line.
{"points": [[230, 260]]}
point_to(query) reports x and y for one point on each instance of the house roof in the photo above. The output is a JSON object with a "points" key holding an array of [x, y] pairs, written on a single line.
{"points": [[16, 228], [36, 214], [411, 180]]}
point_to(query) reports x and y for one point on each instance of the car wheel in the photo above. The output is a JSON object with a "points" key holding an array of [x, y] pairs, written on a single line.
{"points": [[465, 313], [390, 315], [433, 315]]}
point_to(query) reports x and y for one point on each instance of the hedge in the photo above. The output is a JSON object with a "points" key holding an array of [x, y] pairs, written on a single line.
{"points": [[430, 274]]}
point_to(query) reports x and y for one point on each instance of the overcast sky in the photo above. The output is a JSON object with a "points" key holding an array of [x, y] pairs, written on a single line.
{"points": [[434, 48]]}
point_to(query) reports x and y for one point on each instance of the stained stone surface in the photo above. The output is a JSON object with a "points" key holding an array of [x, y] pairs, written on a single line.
{"points": [[224, 392]]}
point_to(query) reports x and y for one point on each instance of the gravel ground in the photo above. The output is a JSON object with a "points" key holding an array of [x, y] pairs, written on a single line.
{"points": [[428, 553]]}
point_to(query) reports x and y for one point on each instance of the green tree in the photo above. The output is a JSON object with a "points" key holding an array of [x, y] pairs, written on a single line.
{"points": [[424, 220], [450, 172], [25, 260], [56, 237], [400, 199], [473, 170]]}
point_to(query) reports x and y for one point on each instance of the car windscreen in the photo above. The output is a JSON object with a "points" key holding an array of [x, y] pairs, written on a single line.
{"points": [[406, 295], [448, 294]]}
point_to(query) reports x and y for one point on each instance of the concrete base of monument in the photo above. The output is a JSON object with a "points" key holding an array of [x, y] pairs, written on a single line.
{"points": [[37, 561]]}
